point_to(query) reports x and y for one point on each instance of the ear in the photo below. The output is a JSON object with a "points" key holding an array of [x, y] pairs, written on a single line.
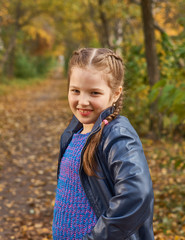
{"points": [[117, 93]]}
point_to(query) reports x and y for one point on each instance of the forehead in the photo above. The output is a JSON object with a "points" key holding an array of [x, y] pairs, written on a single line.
{"points": [[87, 78]]}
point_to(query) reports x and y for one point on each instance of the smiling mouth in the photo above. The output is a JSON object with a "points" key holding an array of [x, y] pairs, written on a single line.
{"points": [[84, 112]]}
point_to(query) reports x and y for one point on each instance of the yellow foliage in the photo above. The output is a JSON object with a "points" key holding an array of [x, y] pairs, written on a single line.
{"points": [[144, 93], [60, 50], [5, 16], [34, 31], [165, 15]]}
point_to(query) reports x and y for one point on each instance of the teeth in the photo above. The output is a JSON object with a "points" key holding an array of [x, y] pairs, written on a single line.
{"points": [[84, 111]]}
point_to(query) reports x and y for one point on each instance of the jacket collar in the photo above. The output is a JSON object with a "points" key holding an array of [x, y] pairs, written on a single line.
{"points": [[102, 116], [74, 126]]}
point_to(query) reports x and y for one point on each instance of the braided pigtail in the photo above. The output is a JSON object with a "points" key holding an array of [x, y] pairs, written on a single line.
{"points": [[89, 160], [112, 67]]}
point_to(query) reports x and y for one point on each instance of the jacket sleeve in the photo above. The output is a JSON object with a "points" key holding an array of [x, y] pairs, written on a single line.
{"points": [[132, 203]]}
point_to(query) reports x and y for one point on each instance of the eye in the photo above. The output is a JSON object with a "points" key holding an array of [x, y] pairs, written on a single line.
{"points": [[95, 93], [75, 91]]}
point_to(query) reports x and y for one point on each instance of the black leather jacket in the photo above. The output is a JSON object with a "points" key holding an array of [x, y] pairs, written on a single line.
{"points": [[122, 196]]}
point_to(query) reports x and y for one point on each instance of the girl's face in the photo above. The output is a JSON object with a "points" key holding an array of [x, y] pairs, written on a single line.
{"points": [[89, 94]]}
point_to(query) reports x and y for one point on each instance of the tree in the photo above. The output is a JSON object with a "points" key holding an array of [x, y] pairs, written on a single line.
{"points": [[107, 18], [151, 56], [17, 23]]}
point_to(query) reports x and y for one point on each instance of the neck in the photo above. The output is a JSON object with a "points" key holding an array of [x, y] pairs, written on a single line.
{"points": [[87, 128]]}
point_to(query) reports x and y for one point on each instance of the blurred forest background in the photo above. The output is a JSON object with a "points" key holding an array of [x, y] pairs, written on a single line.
{"points": [[37, 39]]}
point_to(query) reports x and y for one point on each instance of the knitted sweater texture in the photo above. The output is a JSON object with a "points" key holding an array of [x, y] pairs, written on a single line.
{"points": [[73, 216]]}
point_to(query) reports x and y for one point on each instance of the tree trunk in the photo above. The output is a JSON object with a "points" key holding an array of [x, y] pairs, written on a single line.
{"points": [[7, 60], [118, 35], [151, 58], [102, 26], [8, 53], [105, 31]]}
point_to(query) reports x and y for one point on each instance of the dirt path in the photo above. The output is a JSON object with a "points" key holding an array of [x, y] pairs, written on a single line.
{"points": [[31, 122]]}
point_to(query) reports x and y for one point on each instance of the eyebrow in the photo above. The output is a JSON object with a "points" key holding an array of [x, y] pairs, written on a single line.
{"points": [[91, 89], [71, 86], [96, 89]]}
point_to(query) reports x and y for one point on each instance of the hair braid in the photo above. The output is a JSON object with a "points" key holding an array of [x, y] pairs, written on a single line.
{"points": [[90, 163], [118, 106], [108, 62], [115, 65], [112, 54]]}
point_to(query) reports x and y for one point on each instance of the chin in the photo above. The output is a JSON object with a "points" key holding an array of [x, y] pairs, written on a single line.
{"points": [[85, 122]]}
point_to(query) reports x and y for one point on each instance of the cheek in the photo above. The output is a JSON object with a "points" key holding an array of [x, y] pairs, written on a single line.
{"points": [[111, 100], [102, 104], [71, 99]]}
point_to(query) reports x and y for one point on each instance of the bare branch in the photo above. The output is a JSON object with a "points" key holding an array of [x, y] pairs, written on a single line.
{"points": [[160, 29]]}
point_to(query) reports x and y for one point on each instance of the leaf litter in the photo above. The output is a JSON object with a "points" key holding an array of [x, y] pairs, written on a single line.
{"points": [[31, 122]]}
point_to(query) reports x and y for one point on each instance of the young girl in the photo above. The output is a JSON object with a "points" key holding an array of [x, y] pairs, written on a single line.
{"points": [[104, 189]]}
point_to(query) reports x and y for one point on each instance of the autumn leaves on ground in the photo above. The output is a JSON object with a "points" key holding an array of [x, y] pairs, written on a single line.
{"points": [[31, 121]]}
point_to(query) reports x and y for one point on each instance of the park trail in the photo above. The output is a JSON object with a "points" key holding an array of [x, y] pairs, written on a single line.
{"points": [[31, 122]]}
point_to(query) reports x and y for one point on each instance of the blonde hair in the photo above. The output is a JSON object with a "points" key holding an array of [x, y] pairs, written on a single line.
{"points": [[108, 62]]}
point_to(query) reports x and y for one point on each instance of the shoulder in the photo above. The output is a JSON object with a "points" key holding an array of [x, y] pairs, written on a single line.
{"points": [[120, 129]]}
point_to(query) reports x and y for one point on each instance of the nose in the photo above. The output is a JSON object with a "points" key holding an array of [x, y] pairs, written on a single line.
{"points": [[83, 100]]}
